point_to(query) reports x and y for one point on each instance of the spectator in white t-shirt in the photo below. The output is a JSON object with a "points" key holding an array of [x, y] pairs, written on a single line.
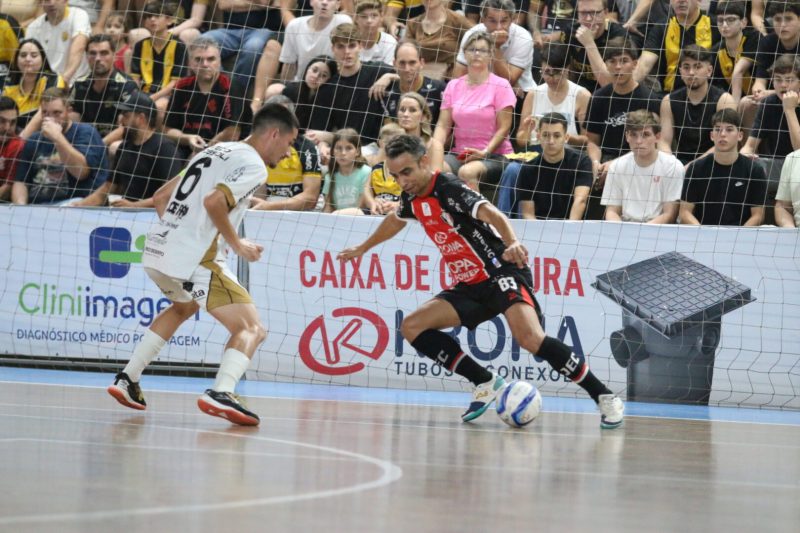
{"points": [[787, 199], [513, 55], [377, 45], [304, 38], [63, 32], [645, 184]]}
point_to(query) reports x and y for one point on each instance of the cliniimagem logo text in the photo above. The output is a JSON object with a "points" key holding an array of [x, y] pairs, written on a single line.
{"points": [[110, 256]]}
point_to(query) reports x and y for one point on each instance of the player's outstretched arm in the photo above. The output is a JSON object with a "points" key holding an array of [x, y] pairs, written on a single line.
{"points": [[390, 226], [217, 207], [515, 251]]}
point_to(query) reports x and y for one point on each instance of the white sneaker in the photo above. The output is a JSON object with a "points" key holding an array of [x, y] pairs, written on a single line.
{"points": [[611, 410], [483, 396]]}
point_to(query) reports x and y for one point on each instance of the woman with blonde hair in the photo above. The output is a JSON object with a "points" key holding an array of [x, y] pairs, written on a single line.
{"points": [[477, 109], [414, 116]]}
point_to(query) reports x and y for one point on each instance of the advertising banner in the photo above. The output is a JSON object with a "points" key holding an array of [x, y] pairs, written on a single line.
{"points": [[73, 286], [686, 314]]}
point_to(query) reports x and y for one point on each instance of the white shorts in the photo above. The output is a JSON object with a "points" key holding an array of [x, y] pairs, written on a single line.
{"points": [[211, 285]]}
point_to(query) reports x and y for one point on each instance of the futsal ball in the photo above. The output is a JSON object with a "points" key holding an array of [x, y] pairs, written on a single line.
{"points": [[519, 404]]}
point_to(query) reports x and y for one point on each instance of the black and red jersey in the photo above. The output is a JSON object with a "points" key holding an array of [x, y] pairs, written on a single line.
{"points": [[471, 248]]}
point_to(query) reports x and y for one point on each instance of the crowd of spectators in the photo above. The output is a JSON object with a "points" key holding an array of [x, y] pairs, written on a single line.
{"points": [[656, 111]]}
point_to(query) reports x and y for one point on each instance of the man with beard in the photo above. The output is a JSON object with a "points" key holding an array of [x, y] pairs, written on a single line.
{"points": [[406, 78], [145, 160], [206, 108], [686, 112], [95, 96], [64, 160]]}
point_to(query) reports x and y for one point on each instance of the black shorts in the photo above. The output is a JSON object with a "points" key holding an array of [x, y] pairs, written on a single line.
{"points": [[483, 301]]}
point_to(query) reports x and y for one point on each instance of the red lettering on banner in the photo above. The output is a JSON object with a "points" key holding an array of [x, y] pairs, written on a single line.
{"points": [[414, 273], [421, 273], [375, 275], [402, 272], [356, 273], [573, 279], [328, 273], [307, 255], [546, 274], [552, 269]]}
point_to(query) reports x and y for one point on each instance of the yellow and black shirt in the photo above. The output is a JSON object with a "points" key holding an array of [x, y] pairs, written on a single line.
{"points": [[286, 179], [668, 40], [724, 63], [28, 103], [157, 68], [384, 186]]}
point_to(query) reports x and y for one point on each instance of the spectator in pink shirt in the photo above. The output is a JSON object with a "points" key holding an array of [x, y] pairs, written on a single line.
{"points": [[477, 109]]}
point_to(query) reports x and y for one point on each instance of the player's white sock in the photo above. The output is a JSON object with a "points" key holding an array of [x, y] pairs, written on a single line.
{"points": [[233, 366], [143, 354]]}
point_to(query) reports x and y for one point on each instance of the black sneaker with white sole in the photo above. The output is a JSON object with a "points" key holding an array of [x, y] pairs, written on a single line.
{"points": [[228, 406], [127, 392]]}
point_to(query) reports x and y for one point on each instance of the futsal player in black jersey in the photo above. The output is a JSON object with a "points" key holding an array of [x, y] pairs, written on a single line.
{"points": [[491, 275]]}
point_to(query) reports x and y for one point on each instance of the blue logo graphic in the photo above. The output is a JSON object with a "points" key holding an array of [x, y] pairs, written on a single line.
{"points": [[110, 254]]}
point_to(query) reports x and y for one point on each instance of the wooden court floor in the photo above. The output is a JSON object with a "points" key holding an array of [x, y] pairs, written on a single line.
{"points": [[75, 461]]}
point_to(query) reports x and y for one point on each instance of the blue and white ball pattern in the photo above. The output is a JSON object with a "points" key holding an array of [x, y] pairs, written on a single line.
{"points": [[519, 404]]}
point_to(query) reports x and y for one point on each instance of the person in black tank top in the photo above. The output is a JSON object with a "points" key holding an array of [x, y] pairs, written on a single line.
{"points": [[489, 267], [686, 112]]}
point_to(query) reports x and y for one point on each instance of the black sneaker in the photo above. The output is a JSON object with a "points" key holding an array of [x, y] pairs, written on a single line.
{"points": [[126, 392], [228, 406]]}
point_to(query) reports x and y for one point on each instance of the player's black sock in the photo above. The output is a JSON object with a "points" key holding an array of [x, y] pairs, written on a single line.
{"points": [[446, 351], [572, 365]]}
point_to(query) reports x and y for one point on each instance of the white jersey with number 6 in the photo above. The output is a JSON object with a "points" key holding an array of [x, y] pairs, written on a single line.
{"points": [[185, 236]]}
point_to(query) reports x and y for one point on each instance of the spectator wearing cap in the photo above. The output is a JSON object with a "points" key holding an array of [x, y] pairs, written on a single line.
{"points": [[94, 97], [145, 160], [65, 160]]}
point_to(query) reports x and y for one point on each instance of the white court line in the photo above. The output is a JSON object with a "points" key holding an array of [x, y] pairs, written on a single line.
{"points": [[457, 426], [368, 402], [390, 474]]}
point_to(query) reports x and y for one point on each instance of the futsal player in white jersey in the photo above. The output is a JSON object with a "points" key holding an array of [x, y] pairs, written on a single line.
{"points": [[185, 256]]}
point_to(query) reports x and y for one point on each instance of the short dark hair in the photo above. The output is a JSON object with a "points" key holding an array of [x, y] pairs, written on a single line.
{"points": [[275, 116], [786, 64], [161, 7], [556, 55], [405, 144], [732, 7], [7, 103], [99, 38], [553, 118], [697, 53], [777, 8], [620, 46], [727, 116]]}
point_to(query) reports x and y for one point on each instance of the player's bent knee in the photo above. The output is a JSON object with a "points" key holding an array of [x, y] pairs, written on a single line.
{"points": [[530, 340], [411, 327]]}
